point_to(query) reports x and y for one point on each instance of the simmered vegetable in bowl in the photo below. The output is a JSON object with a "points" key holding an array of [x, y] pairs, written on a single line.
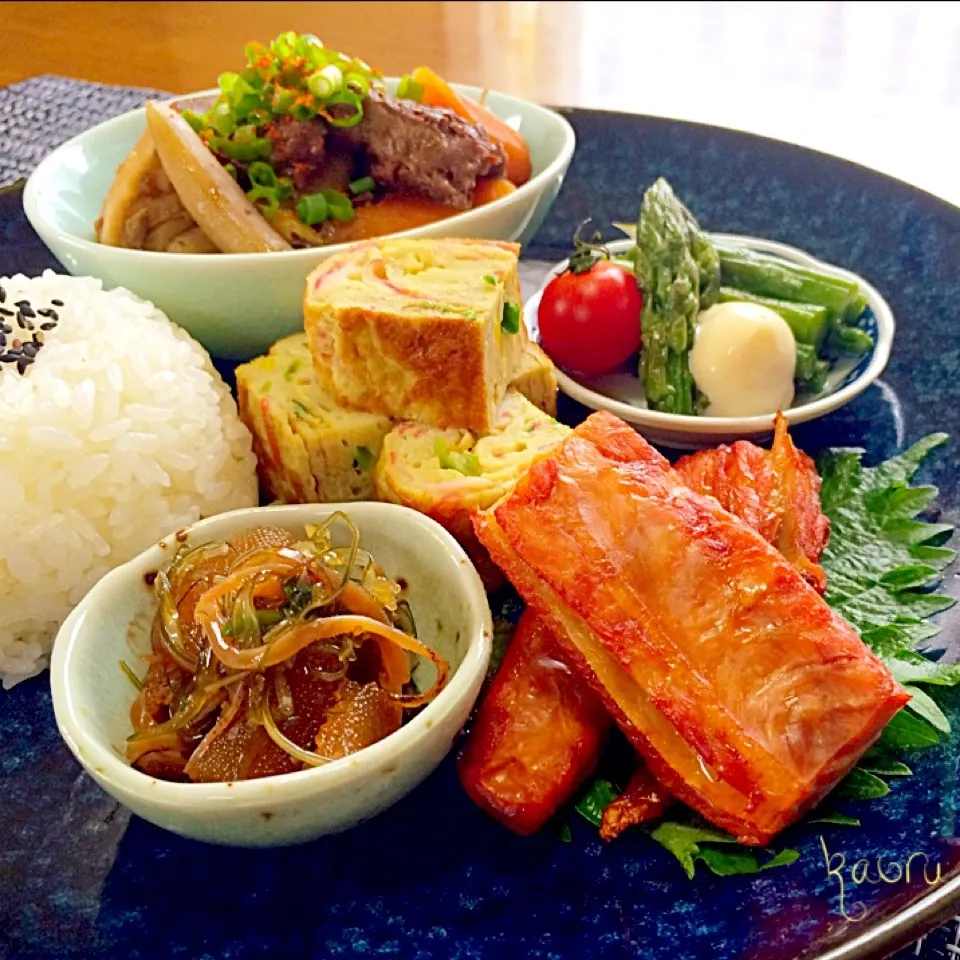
{"points": [[271, 654], [303, 148]]}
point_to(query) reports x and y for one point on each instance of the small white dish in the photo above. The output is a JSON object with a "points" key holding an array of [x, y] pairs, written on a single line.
{"points": [[622, 393], [92, 696], [238, 305]]}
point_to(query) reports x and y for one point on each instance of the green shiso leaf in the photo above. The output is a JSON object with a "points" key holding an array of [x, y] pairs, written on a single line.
{"points": [[882, 564], [925, 707], [858, 784], [884, 766], [717, 851], [591, 805], [836, 819], [906, 731]]}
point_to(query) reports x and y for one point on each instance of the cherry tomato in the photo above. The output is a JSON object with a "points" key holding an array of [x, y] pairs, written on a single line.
{"points": [[590, 320]]}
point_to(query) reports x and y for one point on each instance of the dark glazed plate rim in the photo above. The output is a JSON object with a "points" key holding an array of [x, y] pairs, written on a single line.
{"points": [[936, 206]]}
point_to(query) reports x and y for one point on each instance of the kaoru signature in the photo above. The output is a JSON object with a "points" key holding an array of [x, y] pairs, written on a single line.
{"points": [[877, 870]]}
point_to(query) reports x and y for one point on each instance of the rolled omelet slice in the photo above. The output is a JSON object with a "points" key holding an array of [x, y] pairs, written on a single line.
{"points": [[418, 329], [536, 378], [449, 474], [309, 450]]}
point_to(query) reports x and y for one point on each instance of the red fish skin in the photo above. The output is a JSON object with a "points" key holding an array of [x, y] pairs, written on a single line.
{"points": [[804, 532], [643, 799], [776, 492], [537, 735], [741, 477], [715, 627]]}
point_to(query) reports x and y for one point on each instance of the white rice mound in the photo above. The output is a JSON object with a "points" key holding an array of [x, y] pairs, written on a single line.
{"points": [[118, 434]]}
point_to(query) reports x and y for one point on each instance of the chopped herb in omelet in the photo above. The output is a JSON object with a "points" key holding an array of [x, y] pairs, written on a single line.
{"points": [[364, 459], [466, 463]]}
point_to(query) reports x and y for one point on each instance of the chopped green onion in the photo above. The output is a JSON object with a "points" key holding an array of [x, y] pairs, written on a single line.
{"points": [[221, 120], [231, 169], [302, 112], [283, 101], [348, 97], [197, 122], [262, 175], [326, 82], [265, 199], [284, 45], [511, 318], [259, 116], [339, 205], [284, 188], [488, 278], [253, 51], [358, 83], [355, 65], [313, 51], [410, 89], [226, 81], [245, 134], [256, 149], [245, 104], [312, 208], [363, 185], [364, 459], [465, 462]]}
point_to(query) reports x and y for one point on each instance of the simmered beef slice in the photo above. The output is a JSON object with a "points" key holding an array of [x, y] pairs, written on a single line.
{"points": [[425, 150], [298, 149]]}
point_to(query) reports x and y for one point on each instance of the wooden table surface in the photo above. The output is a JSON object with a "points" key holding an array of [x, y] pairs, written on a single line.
{"points": [[878, 83]]}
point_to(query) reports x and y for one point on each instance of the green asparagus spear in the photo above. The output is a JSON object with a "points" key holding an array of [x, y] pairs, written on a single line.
{"points": [[849, 341], [807, 320], [678, 271], [772, 277], [811, 372]]}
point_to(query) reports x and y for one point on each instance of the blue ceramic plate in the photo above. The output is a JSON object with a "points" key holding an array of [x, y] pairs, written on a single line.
{"points": [[435, 879]]}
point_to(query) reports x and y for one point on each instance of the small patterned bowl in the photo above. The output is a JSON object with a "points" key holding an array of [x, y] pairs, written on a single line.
{"points": [[621, 392]]}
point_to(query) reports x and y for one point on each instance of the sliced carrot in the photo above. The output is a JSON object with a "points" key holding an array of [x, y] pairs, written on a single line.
{"points": [[490, 189], [392, 214], [438, 93]]}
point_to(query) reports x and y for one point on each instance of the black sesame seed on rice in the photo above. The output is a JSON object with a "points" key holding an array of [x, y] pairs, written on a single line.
{"points": [[3, 295], [30, 350], [6, 312], [22, 364], [25, 309], [48, 326], [47, 312], [57, 303]]}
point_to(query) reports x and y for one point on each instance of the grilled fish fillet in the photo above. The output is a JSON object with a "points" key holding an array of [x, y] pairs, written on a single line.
{"points": [[746, 695]]}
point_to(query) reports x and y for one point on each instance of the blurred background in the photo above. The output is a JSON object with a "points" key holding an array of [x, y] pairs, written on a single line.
{"points": [[875, 82]]}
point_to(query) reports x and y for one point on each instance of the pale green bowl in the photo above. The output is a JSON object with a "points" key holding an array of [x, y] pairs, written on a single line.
{"points": [[92, 697], [238, 305]]}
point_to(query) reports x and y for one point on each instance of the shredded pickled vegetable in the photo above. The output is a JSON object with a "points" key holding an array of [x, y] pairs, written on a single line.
{"points": [[255, 641]]}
